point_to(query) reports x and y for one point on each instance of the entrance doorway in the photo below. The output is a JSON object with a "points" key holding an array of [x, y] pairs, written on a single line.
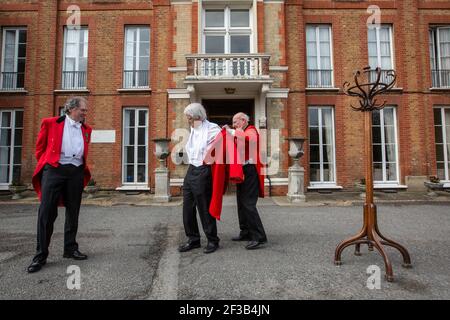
{"points": [[221, 111]]}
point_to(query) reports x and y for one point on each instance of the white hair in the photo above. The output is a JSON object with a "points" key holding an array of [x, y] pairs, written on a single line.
{"points": [[196, 111], [243, 116], [72, 103]]}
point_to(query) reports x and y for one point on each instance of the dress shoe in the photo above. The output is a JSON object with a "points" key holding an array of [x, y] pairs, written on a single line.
{"points": [[254, 244], [211, 247], [188, 246], [35, 266], [241, 238], [77, 255]]}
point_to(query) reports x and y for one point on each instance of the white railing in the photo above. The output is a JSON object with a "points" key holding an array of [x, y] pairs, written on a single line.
{"points": [[228, 66]]}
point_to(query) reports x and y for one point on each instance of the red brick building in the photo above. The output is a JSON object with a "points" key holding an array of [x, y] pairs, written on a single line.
{"points": [[139, 63]]}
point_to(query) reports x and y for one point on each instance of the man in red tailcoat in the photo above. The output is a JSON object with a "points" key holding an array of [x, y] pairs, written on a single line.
{"points": [[60, 176], [247, 141]]}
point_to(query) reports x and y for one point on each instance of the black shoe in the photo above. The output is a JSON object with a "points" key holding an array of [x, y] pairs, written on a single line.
{"points": [[77, 255], [35, 266], [241, 238], [188, 246], [211, 247], [254, 244]]}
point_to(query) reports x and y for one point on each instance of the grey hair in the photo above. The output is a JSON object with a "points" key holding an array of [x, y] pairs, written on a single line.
{"points": [[72, 103], [243, 116], [196, 111]]}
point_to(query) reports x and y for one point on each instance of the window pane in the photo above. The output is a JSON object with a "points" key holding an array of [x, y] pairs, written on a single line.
{"points": [[129, 155], [17, 157], [314, 155], [214, 44], [129, 137], [129, 176], [389, 134], [141, 174], [439, 152], [240, 18], [437, 116], [142, 118], [240, 44], [145, 34], [325, 49], [438, 134], [313, 117], [4, 155], [314, 135], [311, 49], [16, 173], [19, 119], [328, 172], [18, 137], [142, 136], [376, 118], [324, 34], [310, 33], [378, 171], [22, 50], [390, 153], [376, 134], [144, 49], [377, 156], [6, 119], [391, 172], [142, 155], [5, 137], [440, 170], [4, 173], [314, 172], [22, 36], [214, 18], [129, 118]]}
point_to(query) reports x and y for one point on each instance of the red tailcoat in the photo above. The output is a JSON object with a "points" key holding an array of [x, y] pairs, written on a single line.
{"points": [[225, 169], [48, 148]]}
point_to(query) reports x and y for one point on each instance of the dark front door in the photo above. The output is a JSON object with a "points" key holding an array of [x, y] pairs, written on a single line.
{"points": [[221, 111]]}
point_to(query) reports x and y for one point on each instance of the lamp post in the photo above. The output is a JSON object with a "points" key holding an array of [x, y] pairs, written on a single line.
{"points": [[370, 233], [162, 180], [296, 173]]}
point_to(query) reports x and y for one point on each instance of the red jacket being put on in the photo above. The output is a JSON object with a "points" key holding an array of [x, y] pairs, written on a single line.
{"points": [[48, 148], [227, 164]]}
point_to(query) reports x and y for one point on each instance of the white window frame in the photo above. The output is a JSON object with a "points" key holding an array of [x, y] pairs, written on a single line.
{"points": [[136, 131], [4, 185], [138, 41], [77, 58], [323, 183], [444, 141], [385, 182], [227, 31], [391, 44], [16, 50], [318, 55]]}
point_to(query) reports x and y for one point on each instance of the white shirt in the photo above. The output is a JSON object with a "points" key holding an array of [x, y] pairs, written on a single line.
{"points": [[72, 148], [199, 140]]}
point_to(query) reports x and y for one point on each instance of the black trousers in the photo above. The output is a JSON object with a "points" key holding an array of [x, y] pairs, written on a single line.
{"points": [[197, 190], [247, 196], [65, 180]]}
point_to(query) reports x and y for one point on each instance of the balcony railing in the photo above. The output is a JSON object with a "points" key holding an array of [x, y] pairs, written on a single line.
{"points": [[135, 79], [12, 81], [320, 78], [440, 78], [228, 66], [73, 80]]}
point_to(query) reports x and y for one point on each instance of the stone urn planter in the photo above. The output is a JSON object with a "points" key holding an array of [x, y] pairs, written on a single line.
{"points": [[17, 190], [432, 186]]}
